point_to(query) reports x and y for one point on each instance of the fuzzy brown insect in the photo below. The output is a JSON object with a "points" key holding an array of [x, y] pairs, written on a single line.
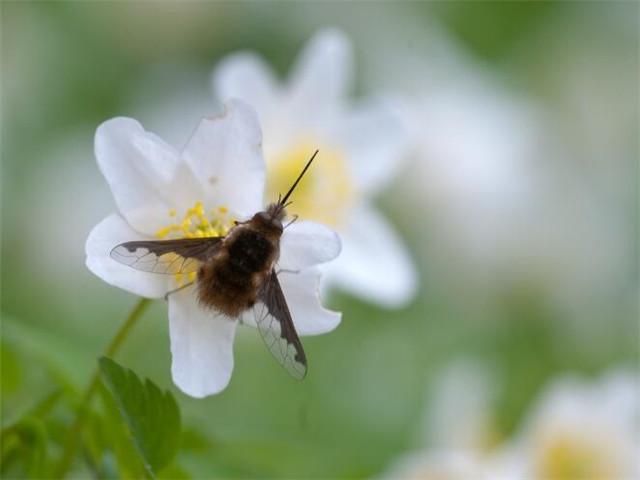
{"points": [[235, 273]]}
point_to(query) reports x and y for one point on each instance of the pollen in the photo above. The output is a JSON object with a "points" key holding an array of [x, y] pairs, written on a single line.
{"points": [[195, 223], [324, 194]]}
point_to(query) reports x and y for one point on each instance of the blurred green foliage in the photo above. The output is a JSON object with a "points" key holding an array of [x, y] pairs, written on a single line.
{"points": [[67, 66]]}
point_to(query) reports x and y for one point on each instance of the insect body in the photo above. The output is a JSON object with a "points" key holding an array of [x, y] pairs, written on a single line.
{"points": [[235, 273], [233, 278]]}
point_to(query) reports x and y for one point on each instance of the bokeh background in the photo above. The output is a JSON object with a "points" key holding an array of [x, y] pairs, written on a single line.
{"points": [[517, 201]]}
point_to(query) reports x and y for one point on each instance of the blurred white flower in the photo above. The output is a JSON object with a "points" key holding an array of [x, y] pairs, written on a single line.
{"points": [[474, 146], [472, 139], [360, 150], [533, 187], [438, 465], [577, 429], [580, 429], [162, 193], [459, 415], [457, 429]]}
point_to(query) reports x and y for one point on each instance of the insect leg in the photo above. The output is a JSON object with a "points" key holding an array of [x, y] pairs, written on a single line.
{"points": [[284, 270], [166, 295], [295, 217]]}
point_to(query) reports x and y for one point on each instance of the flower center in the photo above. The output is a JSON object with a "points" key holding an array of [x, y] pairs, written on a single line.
{"points": [[196, 223], [326, 191], [572, 457]]}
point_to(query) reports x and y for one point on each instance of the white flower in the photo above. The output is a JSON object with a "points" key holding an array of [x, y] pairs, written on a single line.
{"points": [[459, 415], [438, 465], [360, 151], [457, 430], [163, 193], [576, 430], [474, 145], [580, 429]]}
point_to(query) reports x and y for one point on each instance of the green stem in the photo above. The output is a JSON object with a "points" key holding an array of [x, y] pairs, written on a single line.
{"points": [[112, 348]]}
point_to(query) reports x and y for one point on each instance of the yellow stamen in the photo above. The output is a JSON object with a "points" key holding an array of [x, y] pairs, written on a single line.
{"points": [[195, 224]]}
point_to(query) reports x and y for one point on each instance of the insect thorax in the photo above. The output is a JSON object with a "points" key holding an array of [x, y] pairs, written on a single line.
{"points": [[251, 251], [232, 280]]}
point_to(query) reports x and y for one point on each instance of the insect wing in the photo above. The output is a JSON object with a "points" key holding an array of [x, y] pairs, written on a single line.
{"points": [[276, 327], [166, 256]]}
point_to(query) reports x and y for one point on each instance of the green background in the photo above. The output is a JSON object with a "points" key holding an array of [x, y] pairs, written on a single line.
{"points": [[68, 66]]}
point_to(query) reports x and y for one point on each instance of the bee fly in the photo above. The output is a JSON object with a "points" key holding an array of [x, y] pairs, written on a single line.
{"points": [[235, 273]]}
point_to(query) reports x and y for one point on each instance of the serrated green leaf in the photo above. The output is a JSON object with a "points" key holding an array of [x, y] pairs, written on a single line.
{"points": [[152, 417], [114, 429]]}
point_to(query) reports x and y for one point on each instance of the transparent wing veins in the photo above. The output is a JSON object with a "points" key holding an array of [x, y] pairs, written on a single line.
{"points": [[277, 330], [166, 256]]}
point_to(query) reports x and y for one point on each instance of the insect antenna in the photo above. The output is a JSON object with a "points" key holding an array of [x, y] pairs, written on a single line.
{"points": [[295, 184], [282, 201]]}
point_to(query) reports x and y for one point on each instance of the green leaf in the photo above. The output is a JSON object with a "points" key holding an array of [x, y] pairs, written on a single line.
{"points": [[23, 442], [113, 431], [152, 417], [10, 369], [174, 472], [23, 449]]}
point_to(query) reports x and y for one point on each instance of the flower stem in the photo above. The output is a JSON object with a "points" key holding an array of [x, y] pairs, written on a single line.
{"points": [[74, 433]]}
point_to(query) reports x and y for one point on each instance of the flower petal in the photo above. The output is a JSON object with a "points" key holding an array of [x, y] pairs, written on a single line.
{"points": [[107, 234], [375, 142], [322, 74], [201, 345], [305, 243], [141, 170], [373, 263], [225, 154], [301, 290], [248, 77]]}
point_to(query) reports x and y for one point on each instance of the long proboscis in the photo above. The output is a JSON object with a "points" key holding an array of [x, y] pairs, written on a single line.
{"points": [[283, 201]]}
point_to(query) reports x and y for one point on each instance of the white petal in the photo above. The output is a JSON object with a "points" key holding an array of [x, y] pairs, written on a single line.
{"points": [[322, 74], [247, 77], [305, 243], [141, 170], [374, 263], [225, 154], [201, 346], [107, 234], [302, 291], [375, 142]]}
